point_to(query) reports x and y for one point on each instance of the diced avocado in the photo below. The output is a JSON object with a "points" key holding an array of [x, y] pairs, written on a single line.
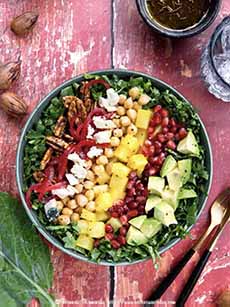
{"points": [[189, 145], [152, 201], [185, 167], [150, 227], [83, 226], [135, 236], [96, 229], [156, 184], [187, 193], [168, 165], [115, 223], [170, 196], [138, 221], [164, 213], [175, 179]]}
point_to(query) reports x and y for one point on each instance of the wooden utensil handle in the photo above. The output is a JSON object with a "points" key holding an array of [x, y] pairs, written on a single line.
{"points": [[193, 279]]}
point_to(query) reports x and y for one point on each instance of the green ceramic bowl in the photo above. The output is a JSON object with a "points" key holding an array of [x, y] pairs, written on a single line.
{"points": [[36, 115]]}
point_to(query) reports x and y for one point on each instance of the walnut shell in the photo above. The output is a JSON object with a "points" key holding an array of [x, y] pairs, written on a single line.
{"points": [[23, 24], [9, 72], [13, 105]]}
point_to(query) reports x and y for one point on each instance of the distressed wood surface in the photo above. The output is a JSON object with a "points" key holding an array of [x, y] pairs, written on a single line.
{"points": [[76, 36]]}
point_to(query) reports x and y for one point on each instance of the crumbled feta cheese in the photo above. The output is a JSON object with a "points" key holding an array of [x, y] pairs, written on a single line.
{"points": [[61, 193], [79, 171], [51, 204], [76, 159], [72, 190], [110, 103], [94, 152], [102, 123], [103, 136], [72, 179], [90, 132]]}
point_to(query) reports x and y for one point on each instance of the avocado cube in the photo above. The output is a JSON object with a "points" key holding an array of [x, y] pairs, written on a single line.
{"points": [[96, 230], [187, 193], [189, 145], [115, 223], [156, 185], [135, 236], [150, 227], [168, 165], [185, 167], [175, 179], [165, 214], [152, 201], [83, 226], [138, 221], [171, 197]]}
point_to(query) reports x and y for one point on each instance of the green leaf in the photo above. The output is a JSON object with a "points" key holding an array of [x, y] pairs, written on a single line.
{"points": [[25, 270]]}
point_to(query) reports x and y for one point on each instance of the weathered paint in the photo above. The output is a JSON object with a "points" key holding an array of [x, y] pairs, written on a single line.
{"points": [[72, 37]]}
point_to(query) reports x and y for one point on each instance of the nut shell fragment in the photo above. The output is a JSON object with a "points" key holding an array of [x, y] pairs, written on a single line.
{"points": [[13, 105], [8, 74], [24, 23]]}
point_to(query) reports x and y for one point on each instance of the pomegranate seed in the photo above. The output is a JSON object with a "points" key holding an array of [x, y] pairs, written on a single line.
{"points": [[131, 192], [164, 112], [141, 208], [121, 240], [170, 135], [173, 129], [157, 119], [161, 137], [172, 122], [115, 214], [182, 133], [152, 171], [109, 236], [153, 160], [148, 143], [124, 219], [141, 200], [165, 130], [145, 152], [177, 137], [165, 122], [157, 145], [108, 228], [123, 231], [96, 243], [125, 209], [139, 186], [115, 244], [151, 150], [171, 145], [119, 211], [132, 213], [128, 199], [157, 108], [133, 205], [150, 130]]}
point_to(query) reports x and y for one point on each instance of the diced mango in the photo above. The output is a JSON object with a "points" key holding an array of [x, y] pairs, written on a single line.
{"points": [[120, 169], [85, 242], [103, 178], [83, 226], [138, 163], [102, 216], [96, 229], [117, 194], [88, 215], [100, 188], [122, 153], [131, 143], [141, 136], [143, 118], [117, 187], [103, 201]]}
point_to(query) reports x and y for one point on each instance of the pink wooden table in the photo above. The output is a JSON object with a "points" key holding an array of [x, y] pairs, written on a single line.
{"points": [[76, 36]]}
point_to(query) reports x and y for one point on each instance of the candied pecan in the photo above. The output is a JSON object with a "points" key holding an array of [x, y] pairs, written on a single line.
{"points": [[56, 143], [38, 176], [67, 137], [60, 126], [46, 158]]}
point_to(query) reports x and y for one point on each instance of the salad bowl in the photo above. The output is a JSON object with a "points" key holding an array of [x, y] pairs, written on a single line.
{"points": [[60, 230]]}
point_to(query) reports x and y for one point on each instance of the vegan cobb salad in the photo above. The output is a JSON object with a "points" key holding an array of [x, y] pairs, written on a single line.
{"points": [[114, 168]]}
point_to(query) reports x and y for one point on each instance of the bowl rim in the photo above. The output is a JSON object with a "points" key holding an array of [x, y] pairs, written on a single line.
{"points": [[20, 153], [207, 21]]}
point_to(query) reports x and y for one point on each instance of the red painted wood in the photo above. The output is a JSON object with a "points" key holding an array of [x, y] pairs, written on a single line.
{"points": [[72, 37], [177, 62]]}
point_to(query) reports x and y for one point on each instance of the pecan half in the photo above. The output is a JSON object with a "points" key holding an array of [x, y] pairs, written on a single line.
{"points": [[46, 158], [60, 126], [56, 143], [68, 137]]}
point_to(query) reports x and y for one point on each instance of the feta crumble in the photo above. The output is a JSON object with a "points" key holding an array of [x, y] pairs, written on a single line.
{"points": [[94, 152], [90, 132], [103, 136], [79, 171], [102, 123], [110, 103], [72, 179]]}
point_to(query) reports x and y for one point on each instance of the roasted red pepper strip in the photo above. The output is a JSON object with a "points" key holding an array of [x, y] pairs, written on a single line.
{"points": [[97, 81]]}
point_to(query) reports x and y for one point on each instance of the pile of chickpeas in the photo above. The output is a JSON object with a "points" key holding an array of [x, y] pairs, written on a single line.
{"points": [[87, 191]]}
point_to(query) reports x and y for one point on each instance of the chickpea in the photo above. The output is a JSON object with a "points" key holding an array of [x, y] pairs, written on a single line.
{"points": [[79, 188], [125, 121], [88, 185], [122, 99], [63, 219], [108, 168], [114, 141], [124, 130], [128, 103], [75, 217], [90, 194], [144, 99], [99, 169], [67, 211], [134, 92], [132, 129], [78, 210], [81, 200], [102, 160], [60, 205], [120, 111], [90, 175], [65, 200], [108, 152], [118, 132], [132, 114], [89, 164], [136, 106], [72, 204], [117, 122], [91, 206]]}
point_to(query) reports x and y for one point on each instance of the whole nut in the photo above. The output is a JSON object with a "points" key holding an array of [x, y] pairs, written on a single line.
{"points": [[224, 299], [23, 24], [13, 105], [9, 72]]}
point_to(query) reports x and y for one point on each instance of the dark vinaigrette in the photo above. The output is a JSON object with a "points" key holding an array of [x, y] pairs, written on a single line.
{"points": [[178, 14]]}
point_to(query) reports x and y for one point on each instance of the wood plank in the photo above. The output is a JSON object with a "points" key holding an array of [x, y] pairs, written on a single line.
{"points": [[176, 62], [70, 37]]}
